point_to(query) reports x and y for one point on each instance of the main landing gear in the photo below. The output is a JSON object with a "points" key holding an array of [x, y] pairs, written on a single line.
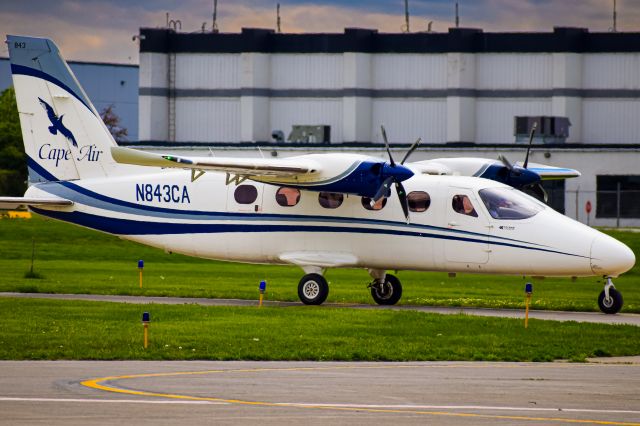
{"points": [[313, 288], [610, 299]]}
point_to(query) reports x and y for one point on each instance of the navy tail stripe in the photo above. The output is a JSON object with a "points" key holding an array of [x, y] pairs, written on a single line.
{"points": [[21, 69]]}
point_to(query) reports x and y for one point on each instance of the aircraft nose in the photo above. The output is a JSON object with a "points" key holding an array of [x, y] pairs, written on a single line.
{"points": [[610, 257]]}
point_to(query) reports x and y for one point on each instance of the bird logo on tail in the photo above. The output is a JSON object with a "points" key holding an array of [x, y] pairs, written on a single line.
{"points": [[56, 123]]}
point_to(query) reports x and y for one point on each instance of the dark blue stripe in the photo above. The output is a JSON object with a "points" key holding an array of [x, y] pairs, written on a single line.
{"points": [[262, 216], [21, 69], [133, 227], [32, 164]]}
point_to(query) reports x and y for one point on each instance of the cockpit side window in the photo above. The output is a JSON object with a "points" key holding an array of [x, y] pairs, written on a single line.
{"points": [[508, 203], [463, 205]]}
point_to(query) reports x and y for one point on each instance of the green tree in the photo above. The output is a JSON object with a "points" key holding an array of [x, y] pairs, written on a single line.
{"points": [[13, 163]]}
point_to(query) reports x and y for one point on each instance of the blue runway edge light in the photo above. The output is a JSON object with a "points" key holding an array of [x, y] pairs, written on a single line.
{"points": [[146, 317], [140, 263], [528, 288], [263, 286]]}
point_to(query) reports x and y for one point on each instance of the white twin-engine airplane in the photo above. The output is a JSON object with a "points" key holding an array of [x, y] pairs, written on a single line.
{"points": [[316, 211]]}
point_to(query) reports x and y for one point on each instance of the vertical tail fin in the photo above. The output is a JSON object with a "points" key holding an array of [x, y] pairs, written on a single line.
{"points": [[64, 136]]}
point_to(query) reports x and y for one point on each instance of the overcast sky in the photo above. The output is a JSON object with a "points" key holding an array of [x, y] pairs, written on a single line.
{"points": [[102, 30]]}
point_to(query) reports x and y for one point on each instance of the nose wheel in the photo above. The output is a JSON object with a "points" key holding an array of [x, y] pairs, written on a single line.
{"points": [[610, 300], [387, 291]]}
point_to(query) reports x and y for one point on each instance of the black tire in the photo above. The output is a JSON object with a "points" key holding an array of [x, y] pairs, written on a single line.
{"points": [[313, 289], [613, 305], [390, 293]]}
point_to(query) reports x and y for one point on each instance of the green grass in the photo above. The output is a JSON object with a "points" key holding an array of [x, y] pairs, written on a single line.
{"points": [[70, 259], [54, 329]]}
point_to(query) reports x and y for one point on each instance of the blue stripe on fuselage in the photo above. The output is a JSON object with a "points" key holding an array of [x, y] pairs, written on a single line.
{"points": [[120, 226], [80, 195]]}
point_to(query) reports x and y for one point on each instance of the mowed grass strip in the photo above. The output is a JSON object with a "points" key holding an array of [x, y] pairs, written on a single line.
{"points": [[72, 259], [52, 329]]}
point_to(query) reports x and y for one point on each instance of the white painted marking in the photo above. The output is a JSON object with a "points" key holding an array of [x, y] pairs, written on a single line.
{"points": [[461, 407], [120, 401]]}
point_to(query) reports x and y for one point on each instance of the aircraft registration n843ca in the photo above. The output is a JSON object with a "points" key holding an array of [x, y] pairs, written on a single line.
{"points": [[316, 211]]}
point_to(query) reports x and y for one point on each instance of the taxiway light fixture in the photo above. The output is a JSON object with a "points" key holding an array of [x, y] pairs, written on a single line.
{"points": [[528, 289], [263, 288], [140, 268], [146, 319]]}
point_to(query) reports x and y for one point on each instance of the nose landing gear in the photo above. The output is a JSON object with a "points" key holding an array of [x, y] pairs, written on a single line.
{"points": [[385, 288], [610, 299]]}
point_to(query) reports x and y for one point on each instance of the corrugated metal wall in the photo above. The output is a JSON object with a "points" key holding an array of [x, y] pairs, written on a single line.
{"points": [[514, 71], [286, 112], [207, 120], [406, 92], [408, 119], [611, 120], [299, 71], [611, 71], [395, 71], [494, 117], [202, 71]]}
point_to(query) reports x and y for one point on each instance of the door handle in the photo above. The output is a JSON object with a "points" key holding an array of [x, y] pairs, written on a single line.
{"points": [[453, 223]]}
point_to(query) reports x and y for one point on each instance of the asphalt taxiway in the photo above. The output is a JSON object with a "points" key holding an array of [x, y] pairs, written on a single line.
{"points": [[204, 392]]}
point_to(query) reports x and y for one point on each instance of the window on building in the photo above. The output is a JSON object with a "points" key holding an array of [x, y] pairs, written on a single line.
{"points": [[462, 204], [245, 194], [418, 201], [330, 200], [618, 196], [287, 197], [366, 203]]}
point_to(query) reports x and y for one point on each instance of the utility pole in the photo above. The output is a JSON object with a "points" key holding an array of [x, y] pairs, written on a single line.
{"points": [[458, 16], [615, 18], [278, 18], [406, 17], [214, 26]]}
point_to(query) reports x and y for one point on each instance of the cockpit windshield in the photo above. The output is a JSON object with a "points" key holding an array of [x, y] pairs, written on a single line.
{"points": [[508, 203]]}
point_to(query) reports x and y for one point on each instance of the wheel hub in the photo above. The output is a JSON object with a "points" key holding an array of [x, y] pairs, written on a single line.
{"points": [[311, 289]]}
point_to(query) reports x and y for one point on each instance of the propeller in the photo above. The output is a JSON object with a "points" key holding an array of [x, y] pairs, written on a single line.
{"points": [[396, 173], [522, 178]]}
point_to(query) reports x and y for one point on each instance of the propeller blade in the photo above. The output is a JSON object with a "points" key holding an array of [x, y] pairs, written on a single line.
{"points": [[402, 196], [413, 147], [542, 192], [383, 191], [386, 144], [533, 131], [506, 162], [537, 190]]}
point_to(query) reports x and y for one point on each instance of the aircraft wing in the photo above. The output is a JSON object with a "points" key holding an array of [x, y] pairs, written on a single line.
{"points": [[239, 166], [7, 203], [551, 172]]}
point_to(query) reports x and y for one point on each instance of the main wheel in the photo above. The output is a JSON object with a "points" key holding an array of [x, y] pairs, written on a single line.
{"points": [[387, 293], [613, 305], [313, 289]]}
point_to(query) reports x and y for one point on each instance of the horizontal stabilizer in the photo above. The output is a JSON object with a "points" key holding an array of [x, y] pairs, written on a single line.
{"points": [[238, 166], [7, 203]]}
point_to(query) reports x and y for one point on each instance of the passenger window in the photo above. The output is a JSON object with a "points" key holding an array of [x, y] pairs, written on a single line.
{"points": [[245, 194], [287, 197], [330, 200], [462, 204], [366, 203], [418, 201]]}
